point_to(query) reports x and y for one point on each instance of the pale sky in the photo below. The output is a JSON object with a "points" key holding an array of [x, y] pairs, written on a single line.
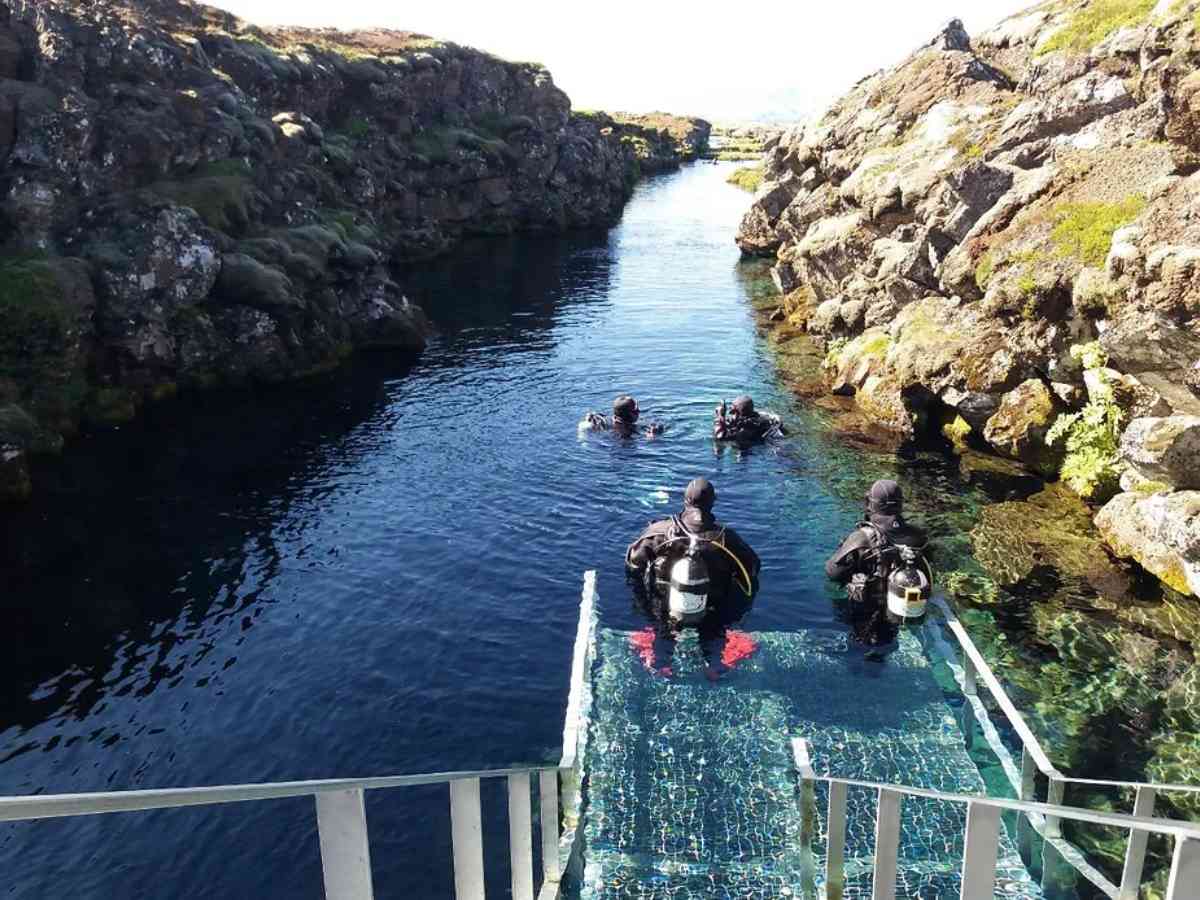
{"points": [[739, 61]]}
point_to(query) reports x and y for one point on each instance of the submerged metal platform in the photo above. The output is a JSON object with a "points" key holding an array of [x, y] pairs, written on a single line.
{"points": [[690, 787]]}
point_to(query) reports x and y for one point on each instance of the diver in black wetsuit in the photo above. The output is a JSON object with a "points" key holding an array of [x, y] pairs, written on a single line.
{"points": [[743, 425], [691, 571], [623, 423], [866, 558]]}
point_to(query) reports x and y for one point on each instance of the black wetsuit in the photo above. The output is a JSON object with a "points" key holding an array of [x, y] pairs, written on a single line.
{"points": [[659, 546], [858, 556], [750, 429], [621, 427]]}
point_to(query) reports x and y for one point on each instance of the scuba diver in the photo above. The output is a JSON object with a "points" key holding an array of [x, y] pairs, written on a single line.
{"points": [[883, 565], [691, 571], [624, 420], [743, 424]]}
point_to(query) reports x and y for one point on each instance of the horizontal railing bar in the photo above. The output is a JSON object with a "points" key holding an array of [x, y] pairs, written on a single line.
{"points": [[1116, 820], [49, 806], [1189, 788], [984, 672]]}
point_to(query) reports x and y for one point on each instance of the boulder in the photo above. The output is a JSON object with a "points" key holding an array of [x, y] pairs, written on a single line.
{"points": [[1019, 426], [1164, 450], [152, 263], [1161, 532], [1143, 341]]}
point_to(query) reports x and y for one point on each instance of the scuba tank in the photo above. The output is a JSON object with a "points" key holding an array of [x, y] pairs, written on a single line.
{"points": [[687, 596], [908, 586]]}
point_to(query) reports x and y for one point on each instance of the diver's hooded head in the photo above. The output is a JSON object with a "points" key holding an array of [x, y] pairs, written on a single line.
{"points": [[885, 503], [698, 500], [625, 409], [743, 406]]}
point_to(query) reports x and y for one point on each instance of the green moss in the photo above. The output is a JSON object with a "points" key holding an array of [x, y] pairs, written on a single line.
{"points": [[222, 201], [833, 351], [1091, 24], [984, 269], [223, 167], [110, 406], [1083, 231], [34, 323], [963, 141], [957, 431], [437, 145], [358, 129], [748, 178]]}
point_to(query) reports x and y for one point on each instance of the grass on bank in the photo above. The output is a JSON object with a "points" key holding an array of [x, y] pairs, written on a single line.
{"points": [[748, 178], [1084, 231], [1092, 24]]}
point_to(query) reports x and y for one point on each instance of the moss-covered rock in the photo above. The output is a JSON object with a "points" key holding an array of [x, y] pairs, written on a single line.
{"points": [[1019, 427]]}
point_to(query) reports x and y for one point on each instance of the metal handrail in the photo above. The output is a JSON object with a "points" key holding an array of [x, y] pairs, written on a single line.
{"points": [[1034, 759], [49, 806], [1029, 741], [982, 839]]}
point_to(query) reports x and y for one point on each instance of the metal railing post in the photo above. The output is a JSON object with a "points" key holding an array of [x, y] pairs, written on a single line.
{"points": [[970, 677], [467, 839], [1028, 774], [1135, 851], [835, 855], [1184, 883], [1054, 796], [887, 845], [548, 788], [520, 836], [345, 847], [979, 854], [808, 817]]}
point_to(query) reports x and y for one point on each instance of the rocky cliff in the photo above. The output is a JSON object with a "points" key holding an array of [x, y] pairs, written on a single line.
{"points": [[997, 239], [188, 200]]}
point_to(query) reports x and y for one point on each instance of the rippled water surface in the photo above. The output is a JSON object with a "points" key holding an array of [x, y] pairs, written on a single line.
{"points": [[379, 573]]}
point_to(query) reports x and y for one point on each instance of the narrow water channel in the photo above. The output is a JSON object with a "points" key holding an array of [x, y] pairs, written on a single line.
{"points": [[378, 573]]}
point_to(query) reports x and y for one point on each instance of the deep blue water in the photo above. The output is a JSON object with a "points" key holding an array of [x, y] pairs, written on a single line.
{"points": [[379, 572]]}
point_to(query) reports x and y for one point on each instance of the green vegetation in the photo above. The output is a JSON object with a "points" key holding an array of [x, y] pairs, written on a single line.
{"points": [[34, 323], [1090, 467], [748, 178], [222, 201], [358, 129], [963, 141], [833, 351], [1091, 24], [1084, 231], [957, 431], [223, 168], [984, 269], [438, 144]]}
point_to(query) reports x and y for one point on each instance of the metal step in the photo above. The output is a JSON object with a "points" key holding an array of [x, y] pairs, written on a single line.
{"points": [[691, 789]]}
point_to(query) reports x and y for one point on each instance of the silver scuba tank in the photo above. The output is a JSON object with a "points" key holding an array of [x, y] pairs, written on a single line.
{"points": [[687, 597], [908, 587]]}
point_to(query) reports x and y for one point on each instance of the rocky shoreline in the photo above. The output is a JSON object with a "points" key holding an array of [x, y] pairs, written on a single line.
{"points": [[993, 240], [191, 201]]}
